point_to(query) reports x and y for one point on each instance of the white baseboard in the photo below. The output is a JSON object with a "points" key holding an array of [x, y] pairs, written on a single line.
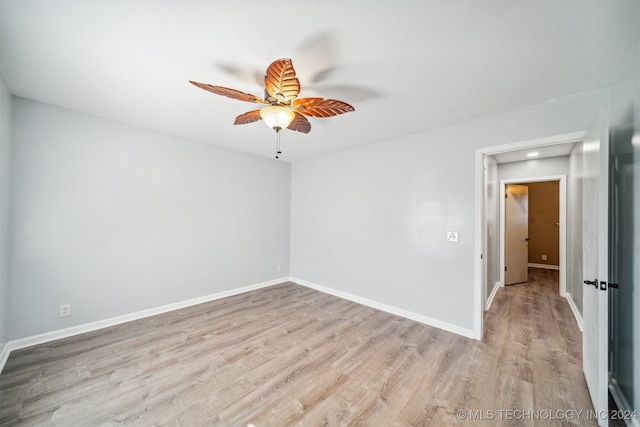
{"points": [[4, 355], [621, 402], [389, 309], [494, 291], [100, 324], [547, 266], [574, 309]]}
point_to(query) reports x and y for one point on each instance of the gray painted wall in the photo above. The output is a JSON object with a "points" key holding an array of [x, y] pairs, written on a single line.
{"points": [[372, 221], [5, 167], [115, 219]]}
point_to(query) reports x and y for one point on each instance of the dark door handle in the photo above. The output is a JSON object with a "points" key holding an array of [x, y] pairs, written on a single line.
{"points": [[526, 239], [592, 283], [613, 285]]}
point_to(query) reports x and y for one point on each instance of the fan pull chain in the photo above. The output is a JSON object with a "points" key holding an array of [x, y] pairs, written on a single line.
{"points": [[278, 152]]}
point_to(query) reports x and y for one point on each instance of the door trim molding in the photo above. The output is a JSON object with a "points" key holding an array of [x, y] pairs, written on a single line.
{"points": [[479, 238]]}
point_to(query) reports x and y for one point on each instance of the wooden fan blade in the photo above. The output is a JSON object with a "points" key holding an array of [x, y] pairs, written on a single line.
{"points": [[248, 117], [320, 107], [230, 93], [280, 81], [300, 124]]}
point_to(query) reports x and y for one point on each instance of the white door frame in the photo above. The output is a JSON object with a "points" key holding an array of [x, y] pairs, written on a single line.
{"points": [[562, 182], [480, 240]]}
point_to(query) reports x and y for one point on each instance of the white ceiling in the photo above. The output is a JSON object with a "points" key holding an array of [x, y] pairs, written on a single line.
{"points": [[406, 66]]}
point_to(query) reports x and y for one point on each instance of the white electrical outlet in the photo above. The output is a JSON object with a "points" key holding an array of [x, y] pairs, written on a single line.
{"points": [[278, 268], [452, 236], [544, 257], [65, 310]]}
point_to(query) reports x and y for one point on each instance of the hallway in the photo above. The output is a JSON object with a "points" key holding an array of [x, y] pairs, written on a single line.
{"points": [[538, 348]]}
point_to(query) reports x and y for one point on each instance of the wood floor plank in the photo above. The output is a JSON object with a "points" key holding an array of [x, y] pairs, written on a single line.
{"points": [[291, 356]]}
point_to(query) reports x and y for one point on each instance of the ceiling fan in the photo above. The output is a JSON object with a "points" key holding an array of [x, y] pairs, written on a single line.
{"points": [[283, 108]]}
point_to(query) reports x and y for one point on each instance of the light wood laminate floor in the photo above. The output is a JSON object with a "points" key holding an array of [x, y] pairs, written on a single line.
{"points": [[288, 355]]}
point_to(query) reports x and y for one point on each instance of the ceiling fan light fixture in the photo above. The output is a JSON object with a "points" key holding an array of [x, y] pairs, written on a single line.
{"points": [[277, 117]]}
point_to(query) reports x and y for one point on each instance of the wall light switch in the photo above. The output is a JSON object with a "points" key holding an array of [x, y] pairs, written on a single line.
{"points": [[452, 236]]}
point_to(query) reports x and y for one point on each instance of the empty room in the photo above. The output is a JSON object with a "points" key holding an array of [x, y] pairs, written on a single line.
{"points": [[275, 212]]}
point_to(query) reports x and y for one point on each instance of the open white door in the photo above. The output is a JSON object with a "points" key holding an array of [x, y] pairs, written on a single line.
{"points": [[516, 216], [595, 265]]}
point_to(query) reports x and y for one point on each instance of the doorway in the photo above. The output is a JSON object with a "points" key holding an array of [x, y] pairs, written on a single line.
{"points": [[484, 289], [561, 181]]}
